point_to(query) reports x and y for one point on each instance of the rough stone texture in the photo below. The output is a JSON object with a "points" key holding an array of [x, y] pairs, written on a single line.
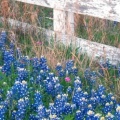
{"points": [[106, 9]]}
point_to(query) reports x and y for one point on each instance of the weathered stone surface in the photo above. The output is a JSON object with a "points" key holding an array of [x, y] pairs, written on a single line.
{"points": [[106, 9]]}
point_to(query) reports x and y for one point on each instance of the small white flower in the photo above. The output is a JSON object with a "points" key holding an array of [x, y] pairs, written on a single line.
{"points": [[113, 98], [24, 82], [47, 110], [41, 71], [77, 81], [103, 96], [4, 83], [74, 67], [90, 112], [53, 116], [78, 111], [111, 103], [26, 98], [85, 93], [58, 64], [97, 114], [67, 104], [109, 115], [51, 104], [1, 106], [102, 118], [92, 98], [65, 95], [56, 78], [118, 109], [21, 100], [17, 82], [79, 89], [37, 91], [42, 56], [40, 107], [20, 69], [83, 99], [89, 106], [107, 104], [27, 57], [58, 96]]}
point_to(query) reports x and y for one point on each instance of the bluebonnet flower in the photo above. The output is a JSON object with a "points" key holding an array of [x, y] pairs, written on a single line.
{"points": [[79, 115], [97, 116], [41, 112], [58, 88], [12, 47], [38, 79], [87, 73], [111, 98], [52, 108], [19, 89], [101, 90], [107, 108], [22, 106], [90, 115], [22, 74], [37, 99], [58, 67], [14, 112], [90, 107], [59, 103], [61, 73], [3, 39], [74, 70], [43, 59], [43, 64], [8, 59], [24, 61], [2, 112], [94, 101], [50, 88], [65, 97], [93, 77], [109, 116], [52, 85], [78, 94], [77, 84], [23, 89], [67, 108], [43, 73], [69, 66]]}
